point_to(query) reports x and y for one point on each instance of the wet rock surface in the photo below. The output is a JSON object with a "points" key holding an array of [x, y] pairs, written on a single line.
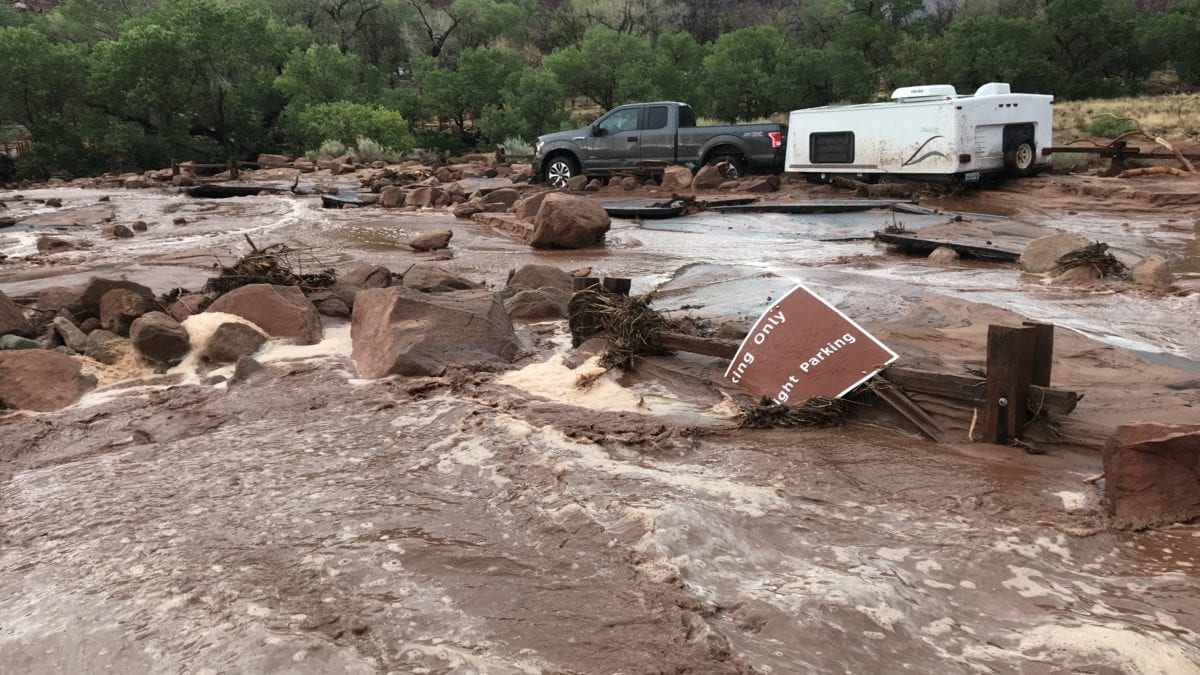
{"points": [[281, 311], [1152, 474], [12, 319], [159, 339], [34, 379]]}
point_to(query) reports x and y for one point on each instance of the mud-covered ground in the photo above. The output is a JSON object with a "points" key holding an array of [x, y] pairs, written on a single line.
{"points": [[307, 521]]}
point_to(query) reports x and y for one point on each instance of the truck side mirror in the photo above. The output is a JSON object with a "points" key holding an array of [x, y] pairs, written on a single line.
{"points": [[599, 131]]}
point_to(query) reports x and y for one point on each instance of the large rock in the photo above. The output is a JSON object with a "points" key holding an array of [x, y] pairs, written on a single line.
{"points": [[392, 197], [532, 277], [527, 208], [1152, 474], [397, 331], [56, 298], [943, 255], [41, 380], [764, 184], [12, 319], [1041, 255], [505, 196], [568, 221], [1152, 272], [117, 231], [429, 278], [231, 341], [577, 183], [71, 334], [708, 178], [676, 177], [49, 244], [106, 347], [17, 342], [186, 305], [538, 305], [367, 276], [88, 302], [281, 311], [422, 196], [430, 240], [118, 309], [159, 338], [465, 210], [266, 161]]}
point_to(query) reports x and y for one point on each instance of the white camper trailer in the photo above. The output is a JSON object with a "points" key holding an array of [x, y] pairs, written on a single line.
{"points": [[927, 131]]}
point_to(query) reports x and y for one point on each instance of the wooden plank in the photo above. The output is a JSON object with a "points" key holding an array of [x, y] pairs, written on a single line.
{"points": [[697, 345], [970, 390], [1009, 365], [902, 404], [1043, 352], [913, 241], [813, 206]]}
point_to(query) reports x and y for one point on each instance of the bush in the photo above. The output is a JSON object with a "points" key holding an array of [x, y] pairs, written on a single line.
{"points": [[1109, 126], [332, 148], [517, 146], [347, 122], [367, 150]]}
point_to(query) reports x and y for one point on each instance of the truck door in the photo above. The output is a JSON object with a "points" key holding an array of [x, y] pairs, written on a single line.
{"points": [[615, 141], [658, 134]]}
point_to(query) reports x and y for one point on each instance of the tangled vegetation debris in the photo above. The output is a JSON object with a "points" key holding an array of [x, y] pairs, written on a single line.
{"points": [[632, 328], [819, 411], [276, 264], [1095, 256]]}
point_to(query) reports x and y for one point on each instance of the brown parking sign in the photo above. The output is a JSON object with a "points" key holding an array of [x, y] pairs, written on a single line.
{"points": [[803, 347]]}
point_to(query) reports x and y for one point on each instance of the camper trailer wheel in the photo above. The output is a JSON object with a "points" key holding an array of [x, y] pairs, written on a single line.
{"points": [[1019, 157]]}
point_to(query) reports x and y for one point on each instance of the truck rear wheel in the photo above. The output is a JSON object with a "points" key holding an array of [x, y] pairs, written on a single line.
{"points": [[733, 166], [1019, 157], [560, 169]]}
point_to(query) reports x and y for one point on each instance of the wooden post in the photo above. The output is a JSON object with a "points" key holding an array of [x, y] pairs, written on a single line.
{"points": [[1043, 352], [584, 326], [617, 285], [233, 168], [1009, 367]]}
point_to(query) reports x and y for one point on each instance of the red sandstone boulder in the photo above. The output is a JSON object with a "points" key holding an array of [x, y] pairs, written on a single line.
{"points": [[397, 331], [532, 277], [527, 208], [428, 278], [159, 339], [118, 309], [230, 342], [430, 240], [1152, 474], [12, 319], [568, 221], [35, 379], [281, 311], [676, 177]]}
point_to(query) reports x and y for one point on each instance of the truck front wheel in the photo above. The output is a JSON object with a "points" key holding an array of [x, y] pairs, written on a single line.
{"points": [[1019, 157], [560, 169]]}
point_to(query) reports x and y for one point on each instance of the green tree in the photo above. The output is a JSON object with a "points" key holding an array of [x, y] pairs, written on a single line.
{"points": [[347, 122], [678, 66], [532, 105], [738, 74], [438, 27], [322, 73], [996, 49], [606, 66], [1095, 41], [196, 75], [460, 95], [806, 77], [1174, 37]]}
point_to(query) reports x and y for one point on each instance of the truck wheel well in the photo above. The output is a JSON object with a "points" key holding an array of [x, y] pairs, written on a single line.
{"points": [[721, 151]]}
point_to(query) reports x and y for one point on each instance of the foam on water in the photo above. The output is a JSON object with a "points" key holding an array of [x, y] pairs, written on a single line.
{"points": [[589, 385]]}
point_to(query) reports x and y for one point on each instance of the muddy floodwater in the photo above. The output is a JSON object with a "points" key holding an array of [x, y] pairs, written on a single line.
{"points": [[307, 521]]}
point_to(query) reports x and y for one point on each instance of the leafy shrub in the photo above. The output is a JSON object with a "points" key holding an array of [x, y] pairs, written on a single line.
{"points": [[514, 145], [346, 122], [1110, 126], [367, 150], [331, 147]]}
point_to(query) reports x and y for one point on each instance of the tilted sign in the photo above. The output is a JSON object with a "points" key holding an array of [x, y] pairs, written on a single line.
{"points": [[803, 347]]}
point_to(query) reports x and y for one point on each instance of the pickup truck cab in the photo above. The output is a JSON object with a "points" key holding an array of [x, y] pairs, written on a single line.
{"points": [[631, 137]]}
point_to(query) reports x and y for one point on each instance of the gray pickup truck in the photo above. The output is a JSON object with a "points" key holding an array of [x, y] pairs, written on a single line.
{"points": [[631, 137]]}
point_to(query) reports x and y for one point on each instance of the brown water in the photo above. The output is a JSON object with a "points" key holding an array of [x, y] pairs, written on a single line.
{"points": [[309, 522]]}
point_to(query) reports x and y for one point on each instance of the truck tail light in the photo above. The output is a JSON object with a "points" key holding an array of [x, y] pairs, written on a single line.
{"points": [[1046, 152], [964, 159], [776, 138]]}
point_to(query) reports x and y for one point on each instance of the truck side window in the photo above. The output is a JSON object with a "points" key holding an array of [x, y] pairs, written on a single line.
{"points": [[831, 147], [656, 117], [620, 121], [687, 117]]}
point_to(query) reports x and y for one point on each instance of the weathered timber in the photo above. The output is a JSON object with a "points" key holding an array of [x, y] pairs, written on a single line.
{"points": [[912, 412], [724, 349], [813, 206], [989, 249], [1009, 367], [219, 191], [1043, 352], [970, 390]]}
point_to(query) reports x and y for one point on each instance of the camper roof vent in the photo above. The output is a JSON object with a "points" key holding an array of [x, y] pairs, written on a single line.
{"points": [[928, 92], [994, 89]]}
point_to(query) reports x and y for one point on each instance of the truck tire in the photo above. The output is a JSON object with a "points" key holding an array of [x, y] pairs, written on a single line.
{"points": [[560, 169], [1019, 157], [736, 165]]}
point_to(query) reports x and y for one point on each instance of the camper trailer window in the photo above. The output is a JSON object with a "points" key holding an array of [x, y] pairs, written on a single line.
{"points": [[656, 117], [831, 148]]}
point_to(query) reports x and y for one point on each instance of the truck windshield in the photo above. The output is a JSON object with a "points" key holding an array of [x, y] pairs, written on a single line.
{"points": [[687, 118]]}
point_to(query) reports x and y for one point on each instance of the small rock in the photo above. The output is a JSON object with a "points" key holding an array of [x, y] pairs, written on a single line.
{"points": [[231, 341], [117, 231], [593, 185], [630, 183], [568, 221], [12, 319], [708, 178], [246, 366], [1152, 272], [140, 226], [106, 347], [763, 184], [180, 220], [159, 338], [391, 197], [532, 277], [676, 177], [1152, 474], [54, 202], [266, 161], [428, 278], [943, 255], [281, 311], [431, 240], [71, 334], [304, 165], [367, 276], [577, 183], [14, 342], [732, 330], [538, 305], [186, 305], [89, 324], [1041, 255], [505, 196], [1082, 275], [49, 244], [332, 306], [118, 309], [465, 210]]}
